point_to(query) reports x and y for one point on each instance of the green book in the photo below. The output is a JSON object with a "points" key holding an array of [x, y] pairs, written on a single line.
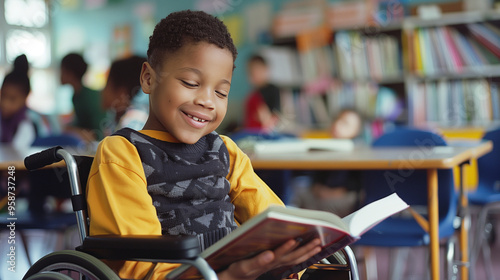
{"points": [[483, 52]]}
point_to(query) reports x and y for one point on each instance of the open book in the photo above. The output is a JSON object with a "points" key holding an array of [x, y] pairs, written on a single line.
{"points": [[277, 224], [302, 145]]}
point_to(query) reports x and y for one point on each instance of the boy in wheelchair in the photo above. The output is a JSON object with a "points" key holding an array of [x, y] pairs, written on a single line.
{"points": [[177, 176]]}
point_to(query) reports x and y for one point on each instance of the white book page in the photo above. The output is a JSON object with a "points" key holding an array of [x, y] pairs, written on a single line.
{"points": [[365, 218], [302, 145]]}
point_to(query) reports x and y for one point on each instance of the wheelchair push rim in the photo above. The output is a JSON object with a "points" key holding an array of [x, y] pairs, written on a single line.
{"points": [[75, 264]]}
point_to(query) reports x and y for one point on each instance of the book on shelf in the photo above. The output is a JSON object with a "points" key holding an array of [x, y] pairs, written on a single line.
{"points": [[344, 51], [284, 67], [452, 48], [486, 56], [417, 52], [464, 53], [343, 14], [454, 102], [466, 45], [360, 62], [449, 65], [319, 109], [485, 37], [277, 224], [408, 50], [440, 50], [495, 101], [430, 66]]}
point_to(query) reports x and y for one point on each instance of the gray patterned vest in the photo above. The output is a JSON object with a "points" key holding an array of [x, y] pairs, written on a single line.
{"points": [[188, 185]]}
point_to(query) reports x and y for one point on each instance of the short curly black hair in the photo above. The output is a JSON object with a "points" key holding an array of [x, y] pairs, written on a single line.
{"points": [[172, 32]]}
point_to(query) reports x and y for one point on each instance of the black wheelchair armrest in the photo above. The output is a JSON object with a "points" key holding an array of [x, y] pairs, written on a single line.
{"points": [[141, 247]]}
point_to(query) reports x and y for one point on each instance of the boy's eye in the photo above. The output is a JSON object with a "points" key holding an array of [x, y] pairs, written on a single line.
{"points": [[220, 93], [188, 84]]}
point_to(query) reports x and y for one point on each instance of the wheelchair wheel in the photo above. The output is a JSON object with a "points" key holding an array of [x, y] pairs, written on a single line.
{"points": [[49, 275], [74, 264]]}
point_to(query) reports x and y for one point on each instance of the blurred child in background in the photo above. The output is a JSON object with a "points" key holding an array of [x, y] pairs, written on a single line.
{"points": [[122, 95], [336, 191], [88, 112], [17, 126], [262, 105], [347, 125]]}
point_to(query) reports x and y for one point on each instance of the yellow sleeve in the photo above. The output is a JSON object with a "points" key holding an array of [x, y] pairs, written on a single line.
{"points": [[249, 194], [119, 203]]}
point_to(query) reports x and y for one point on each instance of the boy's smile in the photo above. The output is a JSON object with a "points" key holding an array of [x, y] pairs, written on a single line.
{"points": [[189, 91]]}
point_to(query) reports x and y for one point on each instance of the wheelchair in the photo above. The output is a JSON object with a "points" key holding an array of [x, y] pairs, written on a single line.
{"points": [[85, 261]]}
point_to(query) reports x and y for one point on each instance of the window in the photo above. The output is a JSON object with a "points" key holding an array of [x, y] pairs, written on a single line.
{"points": [[25, 29], [27, 13]]}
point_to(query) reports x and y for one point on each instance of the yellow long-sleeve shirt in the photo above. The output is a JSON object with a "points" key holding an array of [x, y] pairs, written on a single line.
{"points": [[119, 203]]}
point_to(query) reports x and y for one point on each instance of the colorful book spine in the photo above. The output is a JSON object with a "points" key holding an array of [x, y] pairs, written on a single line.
{"points": [[485, 37], [455, 55]]}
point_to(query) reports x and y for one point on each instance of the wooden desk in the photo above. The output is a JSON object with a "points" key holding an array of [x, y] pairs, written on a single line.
{"points": [[363, 158], [10, 156]]}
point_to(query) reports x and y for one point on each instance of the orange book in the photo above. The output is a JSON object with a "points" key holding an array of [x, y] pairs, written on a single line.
{"points": [[408, 50], [277, 224]]}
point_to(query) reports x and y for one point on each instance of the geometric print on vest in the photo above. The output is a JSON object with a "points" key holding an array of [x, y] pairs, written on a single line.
{"points": [[188, 185]]}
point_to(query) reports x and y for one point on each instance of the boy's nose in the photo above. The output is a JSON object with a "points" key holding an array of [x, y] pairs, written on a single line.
{"points": [[205, 97]]}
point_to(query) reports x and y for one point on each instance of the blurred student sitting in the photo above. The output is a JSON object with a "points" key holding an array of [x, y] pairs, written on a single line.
{"points": [[17, 120], [337, 191], [123, 97], [262, 105], [88, 113]]}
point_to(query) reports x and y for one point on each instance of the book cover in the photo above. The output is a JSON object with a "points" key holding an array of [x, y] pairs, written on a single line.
{"points": [[495, 101], [483, 35], [457, 60], [377, 58], [440, 52], [487, 57], [466, 42], [408, 50], [419, 68], [344, 55], [464, 53], [430, 52], [370, 57], [494, 29], [450, 66], [417, 91], [277, 224]]}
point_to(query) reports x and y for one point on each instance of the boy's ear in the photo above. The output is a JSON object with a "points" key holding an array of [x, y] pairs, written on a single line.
{"points": [[147, 76]]}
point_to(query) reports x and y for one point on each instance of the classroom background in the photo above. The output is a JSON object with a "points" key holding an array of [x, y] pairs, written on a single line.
{"points": [[388, 59], [419, 63]]}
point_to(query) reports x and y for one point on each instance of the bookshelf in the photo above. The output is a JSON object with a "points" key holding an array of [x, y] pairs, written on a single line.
{"points": [[453, 70], [443, 72]]}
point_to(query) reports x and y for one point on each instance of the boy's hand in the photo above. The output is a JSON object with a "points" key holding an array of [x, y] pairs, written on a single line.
{"points": [[286, 255]]}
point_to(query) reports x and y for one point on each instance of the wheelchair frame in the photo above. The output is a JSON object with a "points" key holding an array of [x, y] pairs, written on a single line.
{"points": [[85, 260]]}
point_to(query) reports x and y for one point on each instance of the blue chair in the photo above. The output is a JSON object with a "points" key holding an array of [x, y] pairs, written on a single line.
{"points": [[486, 199], [65, 140], [403, 230]]}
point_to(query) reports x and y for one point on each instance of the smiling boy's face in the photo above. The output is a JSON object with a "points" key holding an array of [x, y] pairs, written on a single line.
{"points": [[189, 91]]}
